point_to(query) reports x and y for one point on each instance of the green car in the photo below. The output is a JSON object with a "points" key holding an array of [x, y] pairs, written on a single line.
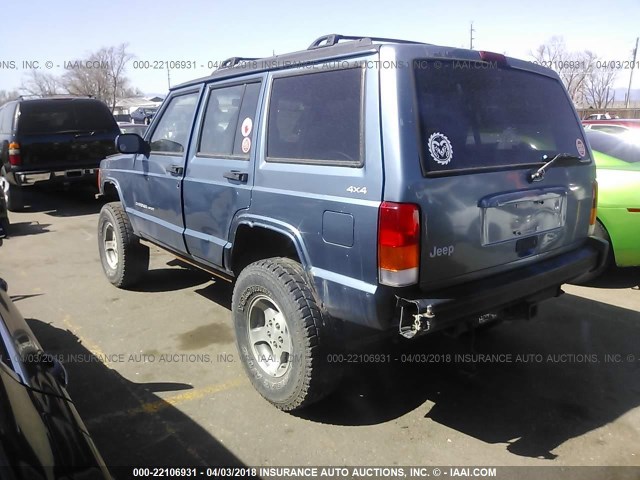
{"points": [[618, 174]]}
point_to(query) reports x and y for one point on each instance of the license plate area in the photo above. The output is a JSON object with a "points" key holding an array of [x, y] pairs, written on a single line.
{"points": [[514, 216]]}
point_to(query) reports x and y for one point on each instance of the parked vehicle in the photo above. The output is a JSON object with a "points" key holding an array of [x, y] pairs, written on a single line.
{"points": [[618, 174], [57, 139], [42, 434], [358, 187], [600, 116], [133, 128], [143, 115], [618, 126], [4, 215], [122, 118]]}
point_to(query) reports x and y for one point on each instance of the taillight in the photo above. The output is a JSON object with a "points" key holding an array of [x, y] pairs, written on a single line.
{"points": [[14, 154], [398, 243], [594, 208]]}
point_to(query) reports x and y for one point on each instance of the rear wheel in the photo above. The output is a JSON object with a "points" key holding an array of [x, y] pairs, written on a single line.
{"points": [[124, 259], [13, 194], [280, 334]]}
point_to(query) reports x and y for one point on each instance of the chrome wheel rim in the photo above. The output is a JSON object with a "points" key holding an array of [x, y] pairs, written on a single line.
{"points": [[110, 246], [269, 336]]}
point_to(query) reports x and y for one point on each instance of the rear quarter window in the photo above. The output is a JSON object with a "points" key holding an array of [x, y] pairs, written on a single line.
{"points": [[316, 118], [490, 117]]}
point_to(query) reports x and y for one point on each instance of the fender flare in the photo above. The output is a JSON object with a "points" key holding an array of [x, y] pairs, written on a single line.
{"points": [[277, 226]]}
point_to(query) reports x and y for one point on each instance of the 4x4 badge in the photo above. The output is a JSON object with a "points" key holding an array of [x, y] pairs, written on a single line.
{"points": [[440, 148]]}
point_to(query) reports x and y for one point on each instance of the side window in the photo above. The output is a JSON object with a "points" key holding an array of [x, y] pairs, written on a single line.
{"points": [[172, 133], [220, 121], [316, 118], [228, 109], [6, 118]]}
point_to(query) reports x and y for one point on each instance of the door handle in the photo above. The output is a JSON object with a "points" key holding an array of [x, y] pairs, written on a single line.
{"points": [[175, 170], [237, 176]]}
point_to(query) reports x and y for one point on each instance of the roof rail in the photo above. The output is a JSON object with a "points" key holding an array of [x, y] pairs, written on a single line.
{"points": [[333, 38], [233, 61], [54, 96]]}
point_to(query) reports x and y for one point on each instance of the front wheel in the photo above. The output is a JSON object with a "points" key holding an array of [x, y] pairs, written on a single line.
{"points": [[124, 259], [280, 334]]}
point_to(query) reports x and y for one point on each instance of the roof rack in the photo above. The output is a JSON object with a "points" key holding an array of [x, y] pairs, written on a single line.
{"points": [[233, 61], [333, 38]]}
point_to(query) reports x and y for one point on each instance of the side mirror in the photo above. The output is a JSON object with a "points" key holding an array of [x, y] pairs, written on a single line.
{"points": [[131, 143]]}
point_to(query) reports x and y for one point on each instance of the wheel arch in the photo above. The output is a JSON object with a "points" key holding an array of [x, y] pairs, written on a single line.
{"points": [[254, 238]]}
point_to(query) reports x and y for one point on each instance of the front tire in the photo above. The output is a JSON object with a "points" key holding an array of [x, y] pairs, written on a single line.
{"points": [[280, 334], [124, 259]]}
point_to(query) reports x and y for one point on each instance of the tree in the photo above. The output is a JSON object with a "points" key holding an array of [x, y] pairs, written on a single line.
{"points": [[599, 91], [101, 74], [573, 68], [117, 58], [41, 83], [7, 96]]}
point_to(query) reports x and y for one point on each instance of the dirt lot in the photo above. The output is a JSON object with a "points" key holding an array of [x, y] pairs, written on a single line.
{"points": [[155, 375]]}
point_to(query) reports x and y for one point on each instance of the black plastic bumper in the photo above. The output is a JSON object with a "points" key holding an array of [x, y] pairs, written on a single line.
{"points": [[524, 285]]}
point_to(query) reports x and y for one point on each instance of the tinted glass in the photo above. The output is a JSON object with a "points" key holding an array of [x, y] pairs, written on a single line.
{"points": [[58, 116], [485, 117], [247, 111], [172, 132], [220, 122], [316, 117], [614, 146]]}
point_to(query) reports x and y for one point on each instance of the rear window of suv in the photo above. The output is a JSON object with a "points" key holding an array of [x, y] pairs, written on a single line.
{"points": [[64, 116], [488, 117]]}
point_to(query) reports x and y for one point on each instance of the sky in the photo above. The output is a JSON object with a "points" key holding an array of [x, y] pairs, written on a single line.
{"points": [[204, 31]]}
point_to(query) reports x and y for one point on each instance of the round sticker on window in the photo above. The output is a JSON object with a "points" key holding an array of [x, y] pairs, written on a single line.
{"points": [[440, 148], [580, 147], [247, 124], [246, 145]]}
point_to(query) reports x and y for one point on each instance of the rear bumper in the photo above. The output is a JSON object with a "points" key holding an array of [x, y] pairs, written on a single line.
{"points": [[507, 292], [58, 175], [371, 310]]}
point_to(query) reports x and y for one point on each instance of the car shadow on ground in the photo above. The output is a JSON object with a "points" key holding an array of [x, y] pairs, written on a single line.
{"points": [[76, 200], [551, 379], [130, 425], [22, 229], [159, 280]]}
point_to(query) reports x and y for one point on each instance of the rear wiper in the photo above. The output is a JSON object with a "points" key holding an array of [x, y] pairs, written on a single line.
{"points": [[537, 175]]}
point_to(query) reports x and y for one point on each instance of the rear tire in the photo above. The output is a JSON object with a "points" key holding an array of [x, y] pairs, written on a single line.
{"points": [[280, 334], [5, 224], [14, 195], [124, 259]]}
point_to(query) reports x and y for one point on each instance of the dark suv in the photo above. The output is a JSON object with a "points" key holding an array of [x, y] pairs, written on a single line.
{"points": [[143, 115], [358, 187], [57, 139]]}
